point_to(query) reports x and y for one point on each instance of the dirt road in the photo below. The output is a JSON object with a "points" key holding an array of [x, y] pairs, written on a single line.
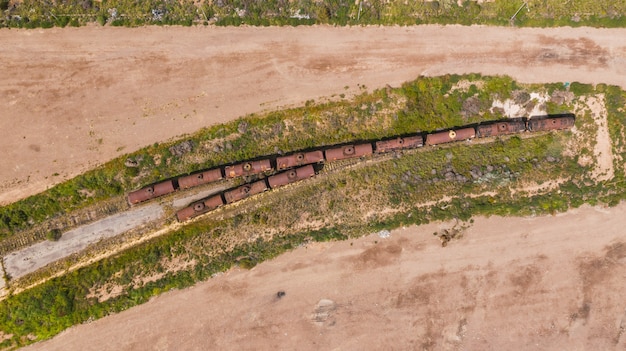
{"points": [[545, 283], [32, 258], [77, 97]]}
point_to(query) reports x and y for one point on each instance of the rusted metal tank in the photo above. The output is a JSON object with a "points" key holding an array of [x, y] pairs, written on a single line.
{"points": [[348, 151], [200, 207], [299, 159], [245, 191], [291, 176], [450, 136], [554, 122], [399, 143], [501, 128], [247, 168], [150, 192], [196, 179]]}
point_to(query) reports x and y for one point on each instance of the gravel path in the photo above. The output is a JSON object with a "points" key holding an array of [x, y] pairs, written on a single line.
{"points": [[30, 259]]}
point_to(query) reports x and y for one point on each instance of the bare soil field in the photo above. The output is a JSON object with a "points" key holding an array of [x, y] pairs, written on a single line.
{"points": [[544, 283], [77, 97]]}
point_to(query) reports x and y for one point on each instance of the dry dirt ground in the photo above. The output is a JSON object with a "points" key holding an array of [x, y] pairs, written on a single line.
{"points": [[544, 283], [77, 97], [74, 98]]}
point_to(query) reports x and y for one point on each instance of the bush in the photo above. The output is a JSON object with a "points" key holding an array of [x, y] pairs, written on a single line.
{"points": [[54, 235]]}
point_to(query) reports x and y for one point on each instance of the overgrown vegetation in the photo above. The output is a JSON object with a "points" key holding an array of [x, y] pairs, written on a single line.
{"points": [[456, 181], [541, 13], [375, 115]]}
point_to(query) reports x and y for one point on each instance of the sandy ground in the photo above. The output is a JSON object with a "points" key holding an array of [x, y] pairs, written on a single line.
{"points": [[543, 283], [74, 98], [77, 97]]}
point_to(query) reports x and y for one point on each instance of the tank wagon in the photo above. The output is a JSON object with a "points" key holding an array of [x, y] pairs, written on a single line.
{"points": [[200, 207], [299, 159], [291, 176], [349, 151], [206, 205], [545, 123], [399, 143], [150, 192], [248, 168], [501, 128], [245, 191], [487, 129], [197, 179], [449, 136]]}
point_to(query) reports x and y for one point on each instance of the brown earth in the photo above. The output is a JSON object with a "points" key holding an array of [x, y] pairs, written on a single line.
{"points": [[544, 283], [74, 98]]}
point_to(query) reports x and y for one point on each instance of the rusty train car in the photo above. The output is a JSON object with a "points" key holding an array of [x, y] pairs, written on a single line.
{"points": [[200, 207], [211, 203], [248, 168], [399, 143], [348, 151], [245, 191], [501, 128], [299, 159], [291, 176], [335, 153], [200, 178], [547, 123], [151, 192], [449, 136]]}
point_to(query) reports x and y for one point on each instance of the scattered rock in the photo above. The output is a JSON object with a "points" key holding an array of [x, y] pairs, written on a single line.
{"points": [[498, 111], [471, 107], [182, 148], [562, 97], [131, 163], [520, 97], [551, 159], [530, 105], [280, 294], [242, 127]]}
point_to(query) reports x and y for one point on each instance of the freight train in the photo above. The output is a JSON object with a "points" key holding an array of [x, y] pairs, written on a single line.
{"points": [[329, 154]]}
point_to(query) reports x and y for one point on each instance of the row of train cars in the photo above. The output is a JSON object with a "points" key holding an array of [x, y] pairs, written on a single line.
{"points": [[299, 166]]}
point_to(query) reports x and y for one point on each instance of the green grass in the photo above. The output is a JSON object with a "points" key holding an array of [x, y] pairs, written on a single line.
{"points": [[539, 13]]}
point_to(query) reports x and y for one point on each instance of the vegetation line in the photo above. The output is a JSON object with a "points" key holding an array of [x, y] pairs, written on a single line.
{"points": [[130, 13]]}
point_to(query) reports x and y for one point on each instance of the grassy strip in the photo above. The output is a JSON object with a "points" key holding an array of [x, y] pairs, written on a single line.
{"points": [[212, 246], [350, 203], [416, 106], [545, 13]]}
